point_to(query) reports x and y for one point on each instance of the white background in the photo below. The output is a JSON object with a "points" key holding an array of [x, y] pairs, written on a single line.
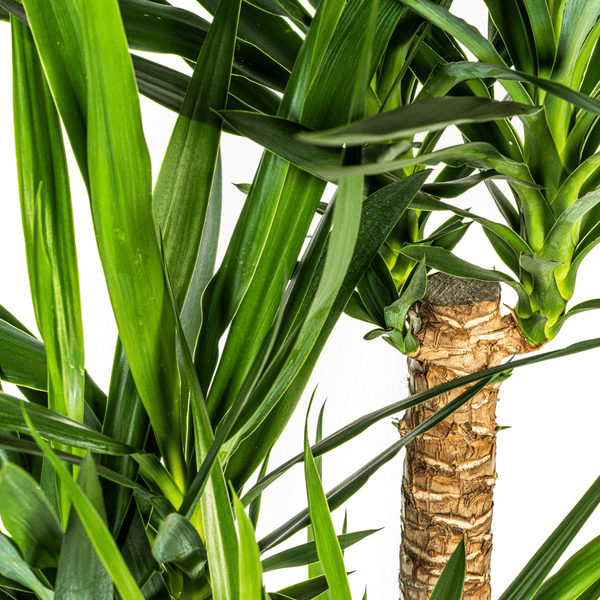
{"points": [[546, 461]]}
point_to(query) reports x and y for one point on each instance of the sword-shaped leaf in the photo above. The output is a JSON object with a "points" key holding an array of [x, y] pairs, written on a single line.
{"points": [[57, 427], [80, 570], [328, 547], [429, 114], [48, 226], [347, 488], [178, 542], [580, 572], [29, 518], [182, 191], [250, 577], [450, 584], [526, 584], [306, 554], [96, 529], [12, 566]]}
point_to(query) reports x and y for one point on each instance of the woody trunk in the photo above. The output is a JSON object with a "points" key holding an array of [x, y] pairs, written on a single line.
{"points": [[450, 471]]}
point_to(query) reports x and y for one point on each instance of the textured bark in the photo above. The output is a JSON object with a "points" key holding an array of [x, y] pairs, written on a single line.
{"points": [[450, 471]]}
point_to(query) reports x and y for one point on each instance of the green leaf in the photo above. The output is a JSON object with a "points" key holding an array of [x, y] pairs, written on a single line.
{"points": [[578, 19], [559, 245], [57, 427], [543, 34], [447, 76], [167, 87], [14, 567], [450, 584], [469, 36], [155, 27], [101, 78], [152, 470], [514, 240], [306, 590], [250, 575], [328, 547], [347, 488], [121, 200], [29, 518], [59, 38], [248, 288], [191, 313], [182, 192], [269, 32], [457, 187], [23, 362], [445, 261], [581, 571], [282, 137], [377, 289], [429, 114], [196, 488], [395, 314], [254, 510], [361, 424], [48, 226], [95, 527], [380, 212], [592, 593], [507, 210], [216, 514], [126, 420], [81, 573], [178, 542], [512, 25], [575, 310], [27, 447], [526, 584], [137, 553], [306, 554]]}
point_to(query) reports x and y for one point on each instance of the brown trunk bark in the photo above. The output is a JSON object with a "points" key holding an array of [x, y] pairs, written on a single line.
{"points": [[450, 471]]}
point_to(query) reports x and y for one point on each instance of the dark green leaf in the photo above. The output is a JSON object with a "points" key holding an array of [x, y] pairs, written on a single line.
{"points": [[450, 584], [278, 135], [305, 590], [533, 574], [269, 32], [98, 533], [183, 188], [445, 261], [14, 567], [447, 76], [29, 518], [178, 542], [469, 36], [363, 423], [306, 554], [581, 571], [338, 495], [80, 572], [23, 362], [423, 115], [153, 27]]}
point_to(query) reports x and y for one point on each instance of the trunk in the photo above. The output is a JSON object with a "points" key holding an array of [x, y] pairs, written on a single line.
{"points": [[450, 471]]}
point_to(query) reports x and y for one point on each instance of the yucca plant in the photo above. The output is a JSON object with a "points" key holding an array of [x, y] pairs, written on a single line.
{"points": [[543, 54], [177, 415], [184, 426]]}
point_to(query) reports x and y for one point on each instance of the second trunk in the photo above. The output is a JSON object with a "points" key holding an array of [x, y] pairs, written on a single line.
{"points": [[450, 471]]}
